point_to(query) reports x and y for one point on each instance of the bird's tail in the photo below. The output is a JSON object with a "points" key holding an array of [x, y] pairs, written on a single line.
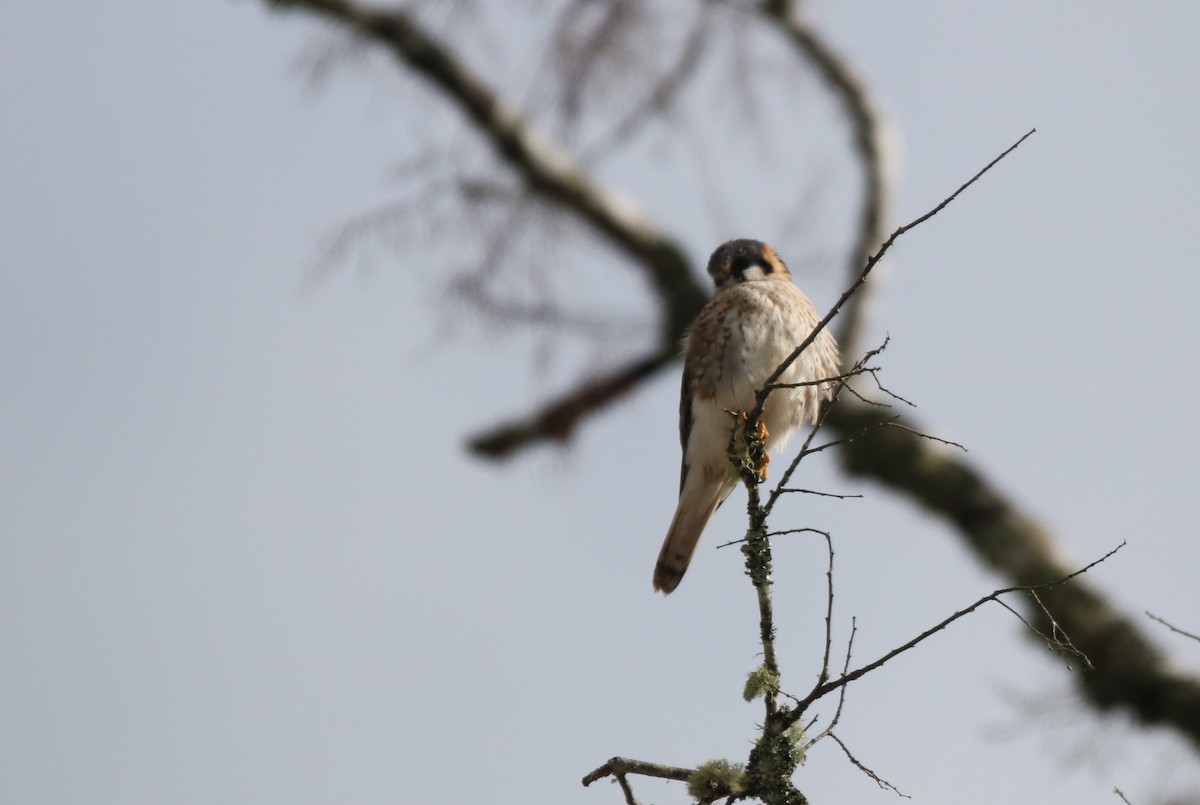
{"points": [[696, 505]]}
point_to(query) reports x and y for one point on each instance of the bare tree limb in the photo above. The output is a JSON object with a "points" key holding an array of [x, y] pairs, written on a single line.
{"points": [[620, 767]]}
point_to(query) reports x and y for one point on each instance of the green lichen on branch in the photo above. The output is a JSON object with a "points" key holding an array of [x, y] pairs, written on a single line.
{"points": [[717, 778], [773, 761], [759, 682], [757, 550]]}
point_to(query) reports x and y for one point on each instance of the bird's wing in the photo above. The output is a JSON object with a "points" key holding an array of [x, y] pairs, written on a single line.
{"points": [[685, 425]]}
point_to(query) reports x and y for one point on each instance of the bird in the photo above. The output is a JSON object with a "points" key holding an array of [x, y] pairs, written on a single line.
{"points": [[756, 319]]}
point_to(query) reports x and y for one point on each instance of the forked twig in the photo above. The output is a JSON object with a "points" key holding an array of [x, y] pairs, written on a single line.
{"points": [[872, 261], [820, 691], [619, 768], [879, 781]]}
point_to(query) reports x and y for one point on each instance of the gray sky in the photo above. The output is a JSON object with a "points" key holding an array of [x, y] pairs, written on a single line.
{"points": [[244, 558]]}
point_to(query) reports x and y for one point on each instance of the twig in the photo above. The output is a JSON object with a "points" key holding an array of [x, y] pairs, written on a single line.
{"points": [[1174, 629], [872, 261], [866, 400], [805, 447], [820, 691], [875, 376], [1058, 641], [837, 712], [823, 677], [841, 385], [819, 494], [774, 534], [808, 451], [879, 781], [894, 424]]}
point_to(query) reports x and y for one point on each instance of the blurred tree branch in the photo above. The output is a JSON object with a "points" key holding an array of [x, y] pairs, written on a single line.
{"points": [[1130, 671], [549, 172], [870, 136]]}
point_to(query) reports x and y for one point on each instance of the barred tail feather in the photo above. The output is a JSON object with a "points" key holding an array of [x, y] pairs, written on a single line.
{"points": [[697, 502]]}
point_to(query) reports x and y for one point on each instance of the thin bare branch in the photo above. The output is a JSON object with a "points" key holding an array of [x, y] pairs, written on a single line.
{"points": [[837, 713], [1174, 629], [823, 677], [1057, 640], [894, 424], [879, 781], [806, 449], [1130, 671], [875, 376], [806, 446], [818, 493], [872, 261], [774, 534], [823, 690]]}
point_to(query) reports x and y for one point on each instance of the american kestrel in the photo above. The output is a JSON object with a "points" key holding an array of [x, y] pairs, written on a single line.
{"points": [[756, 319]]}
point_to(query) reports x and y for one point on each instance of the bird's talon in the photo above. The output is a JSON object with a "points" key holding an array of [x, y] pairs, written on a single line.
{"points": [[762, 468]]}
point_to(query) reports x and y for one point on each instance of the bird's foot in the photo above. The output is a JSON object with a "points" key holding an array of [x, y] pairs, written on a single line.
{"points": [[760, 437]]}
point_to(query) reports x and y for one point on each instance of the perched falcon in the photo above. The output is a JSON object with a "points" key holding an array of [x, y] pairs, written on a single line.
{"points": [[756, 319]]}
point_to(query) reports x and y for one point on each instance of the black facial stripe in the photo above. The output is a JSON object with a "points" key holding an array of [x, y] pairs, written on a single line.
{"points": [[734, 258]]}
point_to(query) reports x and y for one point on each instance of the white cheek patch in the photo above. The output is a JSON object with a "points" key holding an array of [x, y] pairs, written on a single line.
{"points": [[754, 272]]}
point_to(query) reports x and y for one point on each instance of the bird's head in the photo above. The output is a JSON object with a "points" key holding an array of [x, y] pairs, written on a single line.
{"points": [[746, 260]]}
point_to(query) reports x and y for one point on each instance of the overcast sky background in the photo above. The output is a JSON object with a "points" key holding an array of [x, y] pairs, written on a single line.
{"points": [[244, 558]]}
